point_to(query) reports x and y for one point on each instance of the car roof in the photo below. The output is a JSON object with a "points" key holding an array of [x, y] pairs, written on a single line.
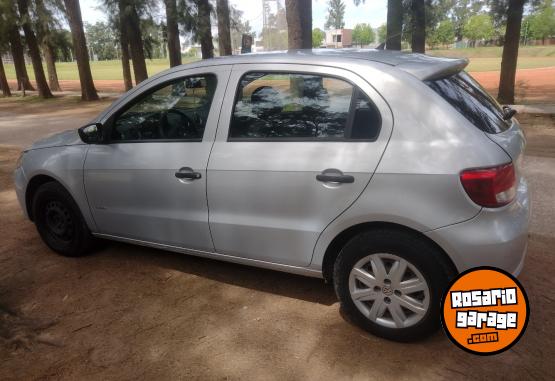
{"points": [[421, 66]]}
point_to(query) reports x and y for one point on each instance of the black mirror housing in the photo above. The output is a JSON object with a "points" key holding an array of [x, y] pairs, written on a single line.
{"points": [[92, 133]]}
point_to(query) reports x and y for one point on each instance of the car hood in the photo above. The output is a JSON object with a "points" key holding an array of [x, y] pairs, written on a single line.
{"points": [[65, 138]]}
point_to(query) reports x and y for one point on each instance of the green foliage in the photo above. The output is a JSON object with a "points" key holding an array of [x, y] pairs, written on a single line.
{"points": [[102, 41], [444, 34], [274, 36], [462, 11], [336, 14], [541, 24], [382, 33], [238, 27], [479, 27], [318, 36], [363, 34]]}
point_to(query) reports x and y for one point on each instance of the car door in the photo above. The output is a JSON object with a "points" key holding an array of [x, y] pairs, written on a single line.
{"points": [[296, 145], [149, 182]]}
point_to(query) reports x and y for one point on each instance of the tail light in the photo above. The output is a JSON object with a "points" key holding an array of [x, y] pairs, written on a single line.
{"points": [[490, 187]]}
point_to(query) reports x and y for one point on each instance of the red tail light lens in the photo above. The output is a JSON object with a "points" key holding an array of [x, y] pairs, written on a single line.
{"points": [[490, 187]]}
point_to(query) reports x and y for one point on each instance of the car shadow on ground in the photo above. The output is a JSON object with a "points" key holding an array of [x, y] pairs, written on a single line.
{"points": [[309, 289]]}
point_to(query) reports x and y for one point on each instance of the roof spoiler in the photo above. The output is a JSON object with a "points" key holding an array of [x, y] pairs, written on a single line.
{"points": [[428, 68]]}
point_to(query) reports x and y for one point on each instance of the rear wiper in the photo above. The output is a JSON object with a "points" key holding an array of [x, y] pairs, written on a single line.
{"points": [[508, 112]]}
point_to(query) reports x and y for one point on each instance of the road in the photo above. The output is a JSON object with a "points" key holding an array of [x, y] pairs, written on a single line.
{"points": [[128, 312]]}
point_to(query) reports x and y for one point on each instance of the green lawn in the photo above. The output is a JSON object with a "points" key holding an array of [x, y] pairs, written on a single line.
{"points": [[100, 69], [481, 59], [489, 58]]}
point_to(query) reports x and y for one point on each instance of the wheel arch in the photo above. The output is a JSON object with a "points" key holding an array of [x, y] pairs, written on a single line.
{"points": [[32, 186], [339, 241]]}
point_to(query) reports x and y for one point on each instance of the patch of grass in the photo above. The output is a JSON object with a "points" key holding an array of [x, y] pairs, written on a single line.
{"points": [[494, 52], [110, 70]]}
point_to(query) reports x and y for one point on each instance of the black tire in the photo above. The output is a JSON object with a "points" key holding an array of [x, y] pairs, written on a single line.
{"points": [[59, 221], [423, 255]]}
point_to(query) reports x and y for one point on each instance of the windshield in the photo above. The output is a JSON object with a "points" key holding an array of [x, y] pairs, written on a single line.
{"points": [[472, 101]]}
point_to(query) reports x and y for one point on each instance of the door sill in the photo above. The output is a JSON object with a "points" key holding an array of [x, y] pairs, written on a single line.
{"points": [[217, 256]]}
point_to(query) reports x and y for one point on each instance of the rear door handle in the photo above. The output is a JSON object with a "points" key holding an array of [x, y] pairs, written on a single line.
{"points": [[334, 176], [187, 173]]}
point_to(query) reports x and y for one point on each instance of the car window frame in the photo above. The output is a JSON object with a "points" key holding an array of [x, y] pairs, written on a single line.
{"points": [[110, 122], [350, 116]]}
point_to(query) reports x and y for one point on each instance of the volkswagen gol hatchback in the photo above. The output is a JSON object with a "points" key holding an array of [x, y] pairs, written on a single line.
{"points": [[385, 173]]}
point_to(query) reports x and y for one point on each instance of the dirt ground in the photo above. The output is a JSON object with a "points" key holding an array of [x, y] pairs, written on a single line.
{"points": [[128, 312], [532, 85]]}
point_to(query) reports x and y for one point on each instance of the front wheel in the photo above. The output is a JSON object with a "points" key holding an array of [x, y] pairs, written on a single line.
{"points": [[59, 221], [390, 283]]}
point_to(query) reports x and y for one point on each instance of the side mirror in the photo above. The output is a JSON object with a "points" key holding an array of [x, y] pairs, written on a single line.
{"points": [[92, 133]]}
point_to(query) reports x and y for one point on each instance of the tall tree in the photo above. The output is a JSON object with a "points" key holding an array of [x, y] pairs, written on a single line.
{"points": [[45, 24], [73, 12], [174, 46], [299, 23], [34, 52], [363, 34], [336, 14], [131, 22], [204, 29], [3, 80], [418, 10], [125, 57], [510, 52], [224, 29], [16, 48], [394, 24]]}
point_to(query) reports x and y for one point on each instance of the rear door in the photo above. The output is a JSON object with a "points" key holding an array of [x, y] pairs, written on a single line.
{"points": [[296, 145]]}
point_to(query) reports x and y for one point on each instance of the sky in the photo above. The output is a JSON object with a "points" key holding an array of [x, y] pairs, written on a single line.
{"points": [[372, 12]]}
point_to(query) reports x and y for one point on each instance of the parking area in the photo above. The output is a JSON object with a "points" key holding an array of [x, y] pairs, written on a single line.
{"points": [[129, 312]]}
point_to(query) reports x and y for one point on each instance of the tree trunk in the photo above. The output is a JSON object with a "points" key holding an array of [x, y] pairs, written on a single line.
{"points": [[418, 8], [510, 52], [174, 46], [132, 23], [43, 34], [50, 58], [34, 52], [204, 29], [127, 81], [224, 29], [3, 80], [19, 60], [394, 24], [73, 10], [299, 23]]}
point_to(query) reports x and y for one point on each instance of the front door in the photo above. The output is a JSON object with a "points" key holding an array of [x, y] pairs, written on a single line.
{"points": [[296, 145], [149, 182]]}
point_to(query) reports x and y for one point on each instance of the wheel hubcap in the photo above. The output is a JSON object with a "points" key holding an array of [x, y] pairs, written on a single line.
{"points": [[58, 220], [389, 290]]}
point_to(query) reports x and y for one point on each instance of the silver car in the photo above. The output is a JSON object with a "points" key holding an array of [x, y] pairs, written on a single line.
{"points": [[383, 172]]}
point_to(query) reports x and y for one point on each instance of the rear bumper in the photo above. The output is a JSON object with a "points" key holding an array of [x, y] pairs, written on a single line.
{"points": [[495, 237]]}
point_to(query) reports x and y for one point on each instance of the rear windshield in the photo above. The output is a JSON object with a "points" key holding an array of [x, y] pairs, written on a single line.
{"points": [[472, 101]]}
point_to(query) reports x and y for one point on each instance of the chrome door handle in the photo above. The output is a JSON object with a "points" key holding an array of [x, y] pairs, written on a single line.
{"points": [[187, 173], [334, 176]]}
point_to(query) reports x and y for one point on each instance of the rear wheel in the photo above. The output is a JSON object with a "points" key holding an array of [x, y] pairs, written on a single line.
{"points": [[59, 221], [390, 283]]}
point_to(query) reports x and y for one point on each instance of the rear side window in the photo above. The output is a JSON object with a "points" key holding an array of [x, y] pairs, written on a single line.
{"points": [[472, 101], [293, 106]]}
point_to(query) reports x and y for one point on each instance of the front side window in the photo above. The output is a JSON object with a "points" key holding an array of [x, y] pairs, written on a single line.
{"points": [[285, 106], [177, 111]]}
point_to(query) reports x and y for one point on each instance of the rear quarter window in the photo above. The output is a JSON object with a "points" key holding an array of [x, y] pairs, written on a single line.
{"points": [[472, 101]]}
